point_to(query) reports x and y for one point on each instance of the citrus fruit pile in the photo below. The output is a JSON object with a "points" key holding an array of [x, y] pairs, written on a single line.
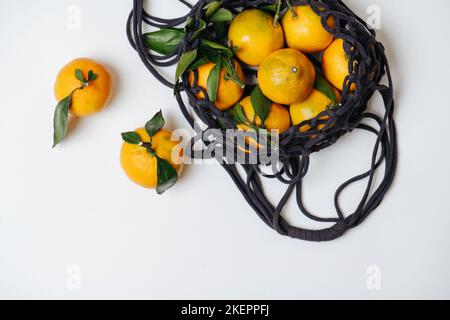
{"points": [[298, 65], [306, 69], [300, 68]]}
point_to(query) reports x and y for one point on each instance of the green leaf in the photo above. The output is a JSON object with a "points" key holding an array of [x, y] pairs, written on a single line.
{"points": [[231, 71], [213, 82], [211, 8], [221, 15], [155, 124], [216, 46], [198, 62], [189, 23], [213, 45], [323, 86], [167, 175], [92, 76], [237, 114], [79, 75], [164, 41], [221, 123], [61, 120], [261, 104], [185, 61], [270, 8], [221, 30], [201, 26], [131, 137], [213, 55]]}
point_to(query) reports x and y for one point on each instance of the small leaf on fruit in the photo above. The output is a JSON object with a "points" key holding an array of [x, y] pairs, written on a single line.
{"points": [[79, 75], [155, 124], [92, 76], [167, 175], [131, 137], [260, 103]]}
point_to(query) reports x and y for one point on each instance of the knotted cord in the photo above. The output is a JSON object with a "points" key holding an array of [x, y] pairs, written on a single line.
{"points": [[368, 66]]}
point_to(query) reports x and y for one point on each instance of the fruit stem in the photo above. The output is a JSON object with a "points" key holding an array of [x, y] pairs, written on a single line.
{"points": [[149, 147], [291, 8], [277, 14]]}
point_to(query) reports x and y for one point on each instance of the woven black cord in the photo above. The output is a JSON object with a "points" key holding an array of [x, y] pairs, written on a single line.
{"points": [[368, 66]]}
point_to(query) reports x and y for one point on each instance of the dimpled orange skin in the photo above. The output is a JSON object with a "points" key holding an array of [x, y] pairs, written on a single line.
{"points": [[308, 109], [278, 118], [335, 65], [140, 166], [305, 32], [228, 92], [252, 31], [286, 76], [91, 99]]}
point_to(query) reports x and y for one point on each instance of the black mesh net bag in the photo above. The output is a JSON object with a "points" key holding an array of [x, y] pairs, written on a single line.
{"points": [[369, 72]]}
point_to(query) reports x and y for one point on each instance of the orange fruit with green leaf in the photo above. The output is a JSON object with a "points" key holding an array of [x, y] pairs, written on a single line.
{"points": [[322, 97], [225, 86], [150, 158], [255, 115], [83, 87], [276, 116], [90, 84]]}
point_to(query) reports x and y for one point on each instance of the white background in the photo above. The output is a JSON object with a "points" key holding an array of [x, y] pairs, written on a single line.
{"points": [[72, 209]]}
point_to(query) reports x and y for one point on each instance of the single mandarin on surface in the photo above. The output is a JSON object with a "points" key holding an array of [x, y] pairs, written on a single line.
{"points": [[255, 36], [305, 31], [335, 63], [140, 166], [228, 92], [90, 99], [286, 76]]}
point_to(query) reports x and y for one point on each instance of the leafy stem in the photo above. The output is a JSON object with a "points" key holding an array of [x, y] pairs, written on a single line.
{"points": [[149, 147], [277, 13], [231, 71], [291, 9], [61, 116], [85, 82], [261, 104]]}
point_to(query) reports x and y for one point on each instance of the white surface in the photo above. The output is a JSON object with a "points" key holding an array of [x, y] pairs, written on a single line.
{"points": [[73, 206]]}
